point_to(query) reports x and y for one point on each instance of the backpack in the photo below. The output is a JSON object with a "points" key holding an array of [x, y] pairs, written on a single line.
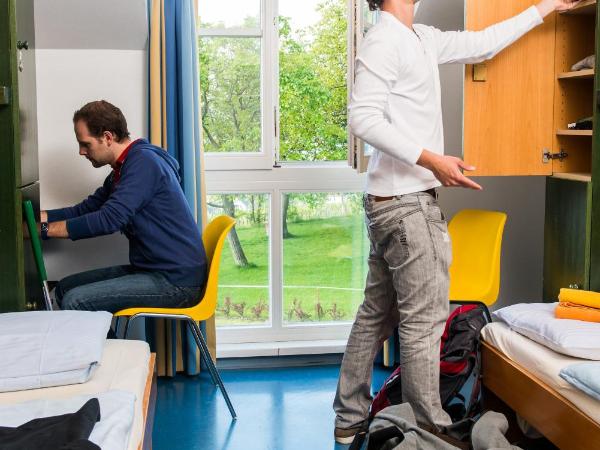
{"points": [[460, 359]]}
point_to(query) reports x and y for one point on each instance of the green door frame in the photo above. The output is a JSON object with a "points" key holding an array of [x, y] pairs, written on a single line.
{"points": [[12, 285]]}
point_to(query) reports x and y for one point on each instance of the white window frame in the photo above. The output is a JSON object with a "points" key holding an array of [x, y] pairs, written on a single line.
{"points": [[264, 158], [229, 174], [295, 179], [359, 152]]}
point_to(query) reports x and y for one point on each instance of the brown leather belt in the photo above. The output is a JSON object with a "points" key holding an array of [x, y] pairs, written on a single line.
{"points": [[431, 192]]}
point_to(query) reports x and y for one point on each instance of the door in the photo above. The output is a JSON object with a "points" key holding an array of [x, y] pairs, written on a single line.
{"points": [[509, 116], [566, 236]]}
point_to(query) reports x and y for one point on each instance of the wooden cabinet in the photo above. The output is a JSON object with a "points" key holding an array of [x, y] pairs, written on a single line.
{"points": [[516, 118], [517, 111]]}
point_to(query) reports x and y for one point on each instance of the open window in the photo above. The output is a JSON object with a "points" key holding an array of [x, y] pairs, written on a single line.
{"points": [[361, 19]]}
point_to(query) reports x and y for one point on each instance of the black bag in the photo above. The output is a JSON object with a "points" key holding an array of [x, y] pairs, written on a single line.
{"points": [[460, 359]]}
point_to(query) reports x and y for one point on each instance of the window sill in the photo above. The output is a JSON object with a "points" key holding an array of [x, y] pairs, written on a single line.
{"points": [[287, 348]]}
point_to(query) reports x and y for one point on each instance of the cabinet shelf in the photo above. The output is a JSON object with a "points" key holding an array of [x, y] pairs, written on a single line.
{"points": [[587, 7], [579, 75], [576, 176], [574, 133]]}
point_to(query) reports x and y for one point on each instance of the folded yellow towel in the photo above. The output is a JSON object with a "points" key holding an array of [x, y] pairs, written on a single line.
{"points": [[584, 298], [566, 310]]}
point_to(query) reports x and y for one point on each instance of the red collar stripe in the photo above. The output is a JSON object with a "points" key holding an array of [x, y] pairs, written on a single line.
{"points": [[120, 162]]}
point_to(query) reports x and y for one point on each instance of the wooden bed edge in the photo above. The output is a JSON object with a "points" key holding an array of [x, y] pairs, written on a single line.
{"points": [[149, 405], [545, 409]]}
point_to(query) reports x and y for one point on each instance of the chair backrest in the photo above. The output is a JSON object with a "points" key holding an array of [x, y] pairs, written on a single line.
{"points": [[476, 249], [213, 238]]}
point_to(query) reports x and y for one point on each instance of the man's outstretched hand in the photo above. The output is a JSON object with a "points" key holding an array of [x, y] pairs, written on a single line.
{"points": [[448, 170], [546, 7]]}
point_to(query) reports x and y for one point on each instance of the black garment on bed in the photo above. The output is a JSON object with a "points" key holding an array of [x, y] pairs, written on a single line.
{"points": [[64, 432]]}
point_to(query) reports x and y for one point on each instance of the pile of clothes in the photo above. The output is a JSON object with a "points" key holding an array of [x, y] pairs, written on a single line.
{"points": [[395, 428], [578, 305]]}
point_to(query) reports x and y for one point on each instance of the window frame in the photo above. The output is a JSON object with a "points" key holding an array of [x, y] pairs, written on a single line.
{"points": [[260, 173], [275, 183], [263, 159], [269, 155], [359, 152]]}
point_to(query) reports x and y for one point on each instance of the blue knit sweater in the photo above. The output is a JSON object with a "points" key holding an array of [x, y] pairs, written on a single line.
{"points": [[149, 207]]}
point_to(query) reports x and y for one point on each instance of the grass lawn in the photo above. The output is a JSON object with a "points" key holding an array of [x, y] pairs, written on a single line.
{"points": [[325, 264]]}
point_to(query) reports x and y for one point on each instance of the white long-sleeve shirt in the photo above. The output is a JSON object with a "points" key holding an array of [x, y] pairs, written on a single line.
{"points": [[396, 101]]}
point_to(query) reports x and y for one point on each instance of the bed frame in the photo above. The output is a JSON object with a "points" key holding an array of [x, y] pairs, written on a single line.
{"points": [[149, 405], [559, 420]]}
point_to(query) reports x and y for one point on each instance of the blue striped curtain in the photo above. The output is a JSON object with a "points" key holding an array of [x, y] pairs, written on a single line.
{"points": [[175, 126]]}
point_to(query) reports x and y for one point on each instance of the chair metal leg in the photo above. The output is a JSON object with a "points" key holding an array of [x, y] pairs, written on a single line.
{"points": [[203, 354], [211, 365], [126, 320], [128, 325], [47, 298], [117, 322]]}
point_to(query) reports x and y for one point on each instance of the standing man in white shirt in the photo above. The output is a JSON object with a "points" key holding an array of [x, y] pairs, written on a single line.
{"points": [[396, 108]]}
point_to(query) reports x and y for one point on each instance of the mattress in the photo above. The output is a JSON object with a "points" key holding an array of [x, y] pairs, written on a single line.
{"points": [[541, 362], [124, 366]]}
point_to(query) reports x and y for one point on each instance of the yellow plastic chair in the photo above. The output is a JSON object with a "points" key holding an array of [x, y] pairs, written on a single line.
{"points": [[476, 248], [213, 238]]}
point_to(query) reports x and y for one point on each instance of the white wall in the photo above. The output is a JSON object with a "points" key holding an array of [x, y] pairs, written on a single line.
{"points": [[73, 68], [522, 198]]}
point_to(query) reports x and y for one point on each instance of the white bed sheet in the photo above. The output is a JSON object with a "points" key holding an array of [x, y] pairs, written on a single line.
{"points": [[124, 367], [113, 430], [542, 362]]}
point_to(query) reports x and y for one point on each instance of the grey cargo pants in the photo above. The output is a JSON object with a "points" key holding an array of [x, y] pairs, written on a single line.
{"points": [[407, 286]]}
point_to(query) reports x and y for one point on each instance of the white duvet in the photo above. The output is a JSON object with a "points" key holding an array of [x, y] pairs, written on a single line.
{"points": [[50, 348], [110, 433]]}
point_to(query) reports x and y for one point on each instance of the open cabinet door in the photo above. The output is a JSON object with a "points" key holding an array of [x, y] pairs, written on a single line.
{"points": [[509, 113]]}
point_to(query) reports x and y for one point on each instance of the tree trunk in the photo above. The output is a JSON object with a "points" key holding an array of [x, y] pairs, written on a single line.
{"points": [[234, 242], [286, 204]]}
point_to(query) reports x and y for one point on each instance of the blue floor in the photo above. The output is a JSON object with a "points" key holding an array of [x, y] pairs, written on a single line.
{"points": [[278, 409]]}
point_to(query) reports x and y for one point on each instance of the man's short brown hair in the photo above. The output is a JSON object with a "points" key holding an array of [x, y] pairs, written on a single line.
{"points": [[101, 116]]}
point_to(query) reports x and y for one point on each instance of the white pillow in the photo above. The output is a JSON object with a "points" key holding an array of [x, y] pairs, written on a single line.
{"points": [[537, 322]]}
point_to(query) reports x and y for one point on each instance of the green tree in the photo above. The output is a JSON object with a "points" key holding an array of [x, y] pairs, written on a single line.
{"points": [[312, 94], [312, 87], [230, 92]]}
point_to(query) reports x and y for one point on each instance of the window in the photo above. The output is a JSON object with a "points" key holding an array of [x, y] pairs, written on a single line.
{"points": [[230, 89], [273, 81], [325, 251], [232, 58], [313, 80], [244, 294], [362, 19]]}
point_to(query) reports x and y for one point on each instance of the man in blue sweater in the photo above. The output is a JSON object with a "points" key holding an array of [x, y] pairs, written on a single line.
{"points": [[141, 198]]}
